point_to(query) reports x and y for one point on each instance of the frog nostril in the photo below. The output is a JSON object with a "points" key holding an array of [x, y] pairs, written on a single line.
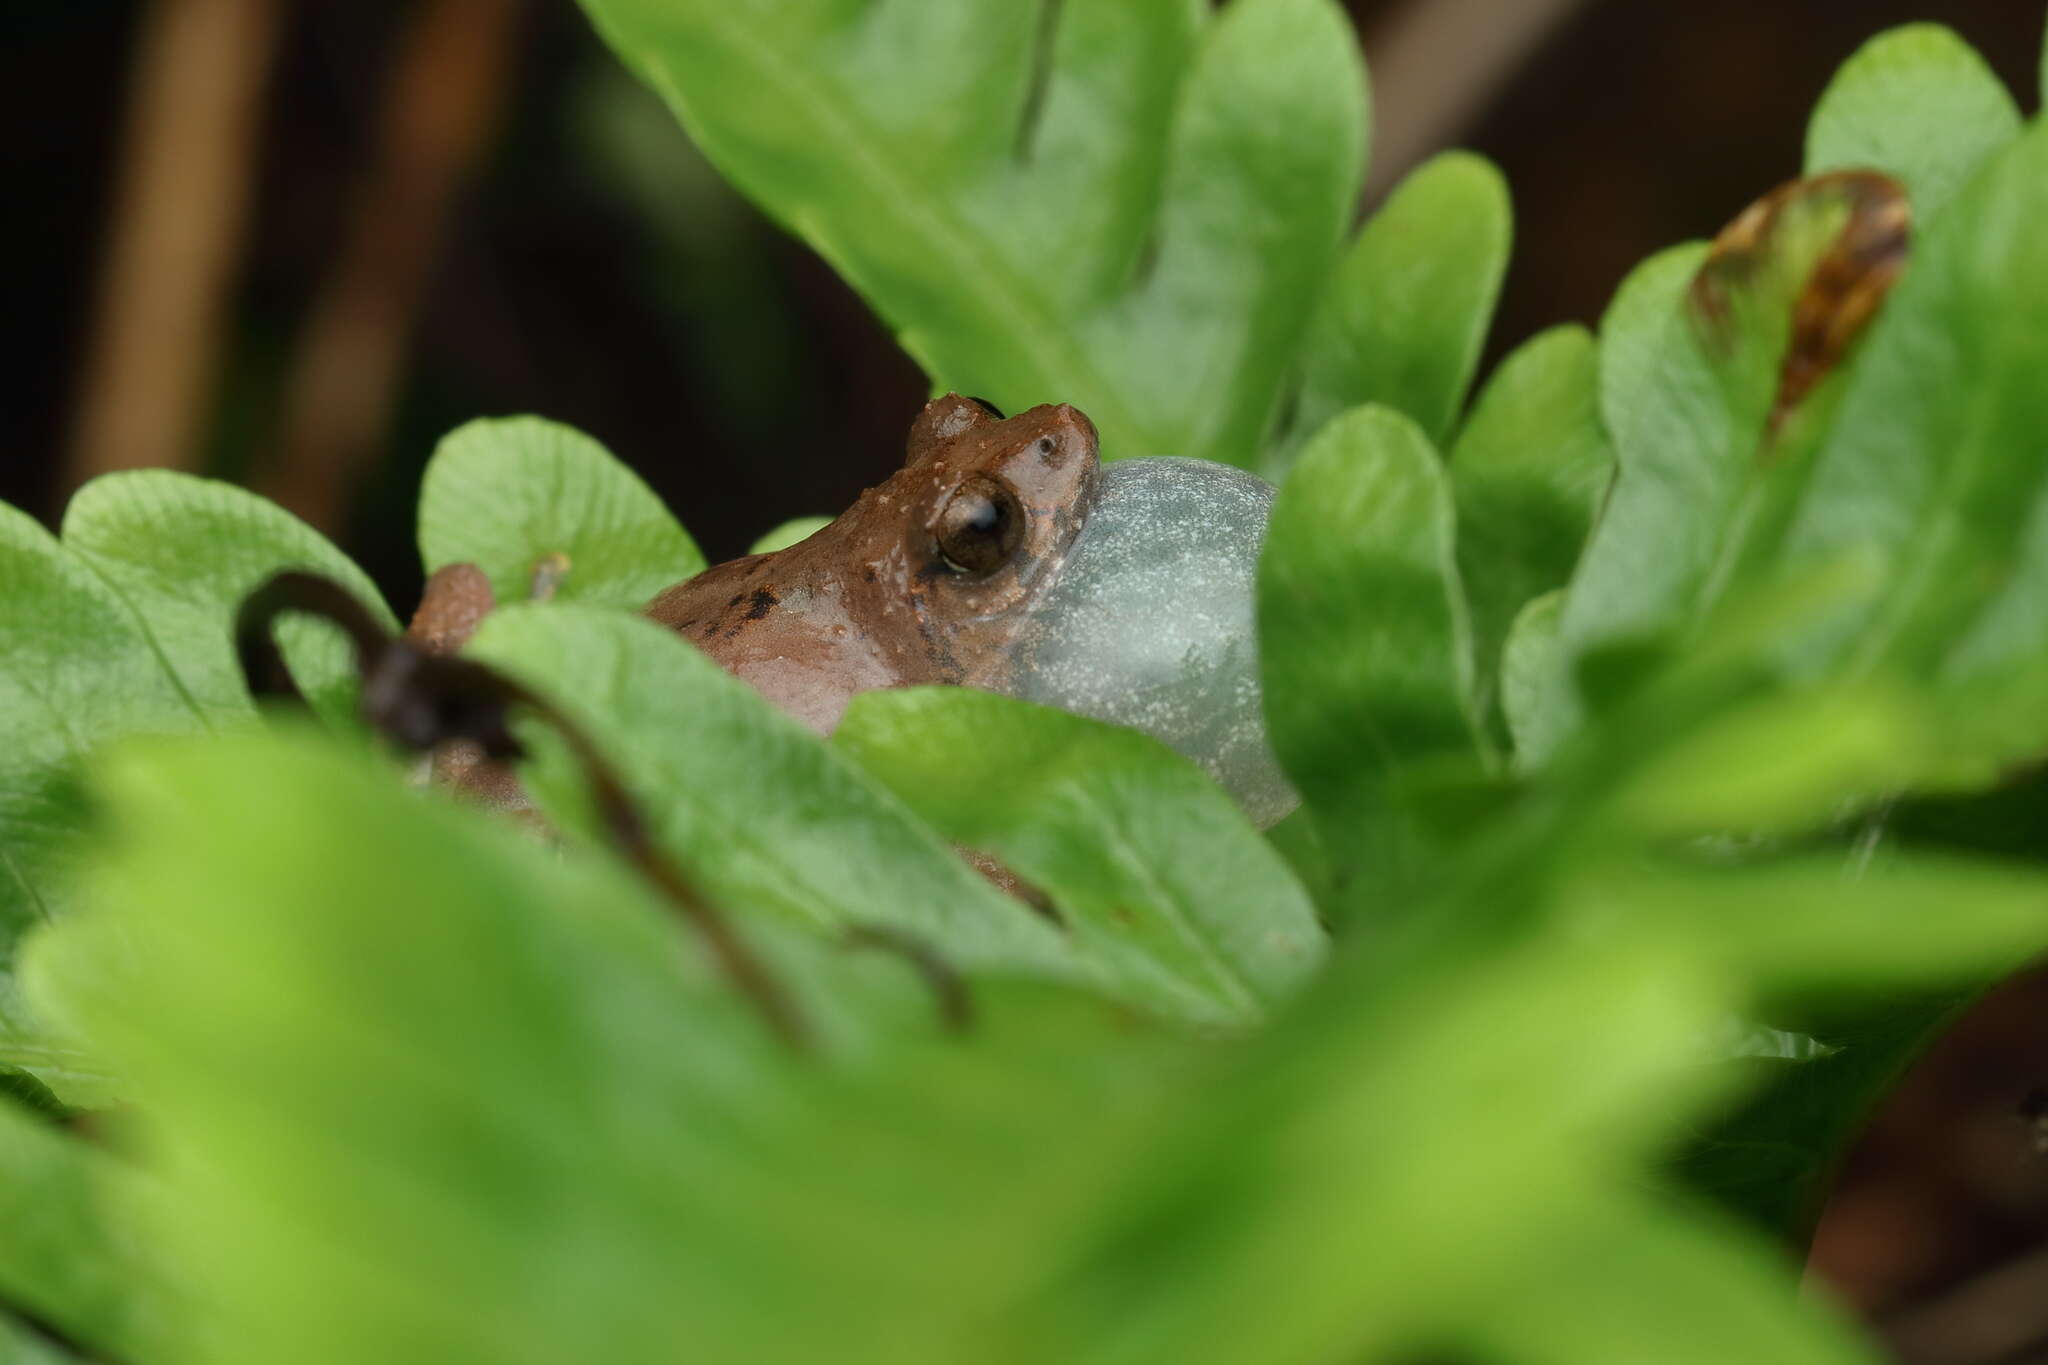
{"points": [[1046, 444]]}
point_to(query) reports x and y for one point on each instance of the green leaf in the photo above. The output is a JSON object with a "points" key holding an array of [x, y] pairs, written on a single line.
{"points": [[60, 1259], [1706, 473], [2004, 821], [1786, 763], [1127, 205], [1201, 1260], [1530, 688], [1917, 473], [1171, 898], [505, 493], [1297, 839], [417, 1067], [788, 534], [1893, 939], [1365, 651], [1629, 1280], [748, 799], [475, 1100], [75, 668], [1771, 1159], [1930, 473], [28, 1049], [1918, 103], [1404, 318], [593, 1109], [18, 1346], [183, 552], [1528, 474], [1820, 922], [23, 1089], [126, 628], [1680, 469], [59, 1066]]}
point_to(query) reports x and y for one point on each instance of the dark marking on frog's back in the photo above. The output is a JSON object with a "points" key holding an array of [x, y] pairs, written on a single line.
{"points": [[764, 601]]}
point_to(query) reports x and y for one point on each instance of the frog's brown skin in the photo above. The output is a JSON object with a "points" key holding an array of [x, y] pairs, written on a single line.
{"points": [[873, 600], [906, 586], [454, 604]]}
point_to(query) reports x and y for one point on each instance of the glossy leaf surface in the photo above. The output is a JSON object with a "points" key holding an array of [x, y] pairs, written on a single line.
{"points": [[1169, 895], [75, 667], [1364, 639], [183, 552], [786, 825], [382, 1137], [1131, 207], [1528, 475], [60, 1258], [1919, 103], [1408, 308], [507, 493]]}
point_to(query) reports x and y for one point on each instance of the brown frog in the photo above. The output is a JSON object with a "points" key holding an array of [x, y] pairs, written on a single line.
{"points": [[926, 579]]}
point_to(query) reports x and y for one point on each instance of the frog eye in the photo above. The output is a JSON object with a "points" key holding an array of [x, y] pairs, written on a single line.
{"points": [[981, 526]]}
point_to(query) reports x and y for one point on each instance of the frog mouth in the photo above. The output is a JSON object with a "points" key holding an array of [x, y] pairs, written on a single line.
{"points": [[1149, 623]]}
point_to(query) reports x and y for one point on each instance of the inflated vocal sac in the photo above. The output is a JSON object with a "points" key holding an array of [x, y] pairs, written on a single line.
{"points": [[1150, 623]]}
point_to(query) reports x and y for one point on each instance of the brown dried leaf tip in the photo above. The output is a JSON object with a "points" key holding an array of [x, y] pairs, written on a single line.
{"points": [[1842, 292]]}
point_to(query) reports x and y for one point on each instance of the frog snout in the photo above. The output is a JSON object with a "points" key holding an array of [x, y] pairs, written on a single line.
{"points": [[1064, 435]]}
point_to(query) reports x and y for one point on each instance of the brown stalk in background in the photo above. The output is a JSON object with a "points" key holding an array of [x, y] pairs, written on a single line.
{"points": [[179, 208], [1436, 65], [448, 82]]}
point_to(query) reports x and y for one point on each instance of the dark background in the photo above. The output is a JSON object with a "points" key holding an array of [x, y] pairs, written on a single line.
{"points": [[525, 231]]}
